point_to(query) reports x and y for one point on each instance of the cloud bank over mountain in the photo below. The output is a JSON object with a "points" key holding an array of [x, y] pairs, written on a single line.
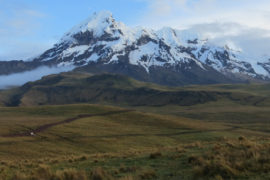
{"points": [[242, 24], [22, 78], [254, 41]]}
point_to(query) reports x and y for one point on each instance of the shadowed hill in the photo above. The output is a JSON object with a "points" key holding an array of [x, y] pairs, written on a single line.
{"points": [[70, 88]]}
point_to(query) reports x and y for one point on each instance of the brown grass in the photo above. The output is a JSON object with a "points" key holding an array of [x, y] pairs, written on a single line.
{"points": [[44, 172], [100, 174], [127, 178], [148, 174], [71, 174], [234, 158]]}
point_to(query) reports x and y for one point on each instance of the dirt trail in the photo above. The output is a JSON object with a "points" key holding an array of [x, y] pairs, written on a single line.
{"points": [[44, 127]]}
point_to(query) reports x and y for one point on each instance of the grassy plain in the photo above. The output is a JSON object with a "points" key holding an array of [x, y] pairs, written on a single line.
{"points": [[222, 139]]}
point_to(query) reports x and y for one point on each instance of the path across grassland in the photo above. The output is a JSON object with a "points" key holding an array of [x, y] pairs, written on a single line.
{"points": [[44, 127]]}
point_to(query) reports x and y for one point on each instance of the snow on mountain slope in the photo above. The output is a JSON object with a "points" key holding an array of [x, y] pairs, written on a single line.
{"points": [[98, 24], [102, 40]]}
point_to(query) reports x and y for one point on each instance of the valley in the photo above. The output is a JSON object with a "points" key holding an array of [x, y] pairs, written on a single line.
{"points": [[110, 101]]}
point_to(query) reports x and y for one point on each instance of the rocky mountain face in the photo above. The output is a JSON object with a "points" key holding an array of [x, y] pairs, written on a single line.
{"points": [[167, 56], [18, 66]]}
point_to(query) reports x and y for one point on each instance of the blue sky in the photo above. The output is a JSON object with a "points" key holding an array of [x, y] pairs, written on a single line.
{"points": [[28, 27]]}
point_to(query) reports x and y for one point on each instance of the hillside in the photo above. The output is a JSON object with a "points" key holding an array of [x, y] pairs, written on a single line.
{"points": [[148, 131], [70, 88]]}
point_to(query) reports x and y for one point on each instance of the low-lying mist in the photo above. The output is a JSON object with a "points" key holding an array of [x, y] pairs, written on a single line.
{"points": [[18, 79]]}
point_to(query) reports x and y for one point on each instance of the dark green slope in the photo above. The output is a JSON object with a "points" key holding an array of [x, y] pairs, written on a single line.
{"points": [[70, 88]]}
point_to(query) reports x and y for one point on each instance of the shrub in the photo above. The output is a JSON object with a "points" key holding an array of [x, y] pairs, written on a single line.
{"points": [[83, 158], [148, 174], [44, 173], [155, 155], [71, 174], [127, 178], [124, 169], [232, 159], [100, 174]]}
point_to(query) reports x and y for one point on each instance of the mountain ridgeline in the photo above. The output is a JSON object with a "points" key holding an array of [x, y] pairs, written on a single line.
{"points": [[167, 56], [114, 89]]}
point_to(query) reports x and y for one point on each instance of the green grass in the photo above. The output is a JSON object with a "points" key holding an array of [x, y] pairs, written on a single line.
{"points": [[73, 88], [121, 143], [139, 142], [109, 133]]}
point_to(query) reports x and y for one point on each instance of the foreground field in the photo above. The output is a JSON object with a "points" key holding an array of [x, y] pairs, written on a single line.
{"points": [[141, 142], [133, 130]]}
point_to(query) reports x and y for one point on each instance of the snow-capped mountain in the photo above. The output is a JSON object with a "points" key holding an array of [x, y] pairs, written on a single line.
{"points": [[166, 56]]}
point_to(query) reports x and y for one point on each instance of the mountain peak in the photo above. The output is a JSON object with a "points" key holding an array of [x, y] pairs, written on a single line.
{"points": [[102, 42], [97, 23], [102, 15]]}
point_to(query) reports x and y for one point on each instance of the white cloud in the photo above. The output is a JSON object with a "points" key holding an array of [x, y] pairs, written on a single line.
{"points": [[162, 7], [241, 24], [253, 41], [22, 78], [183, 13]]}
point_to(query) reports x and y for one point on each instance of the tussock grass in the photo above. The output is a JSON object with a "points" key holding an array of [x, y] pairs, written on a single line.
{"points": [[127, 178], [233, 159], [217, 140], [148, 174], [238, 158], [100, 174]]}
